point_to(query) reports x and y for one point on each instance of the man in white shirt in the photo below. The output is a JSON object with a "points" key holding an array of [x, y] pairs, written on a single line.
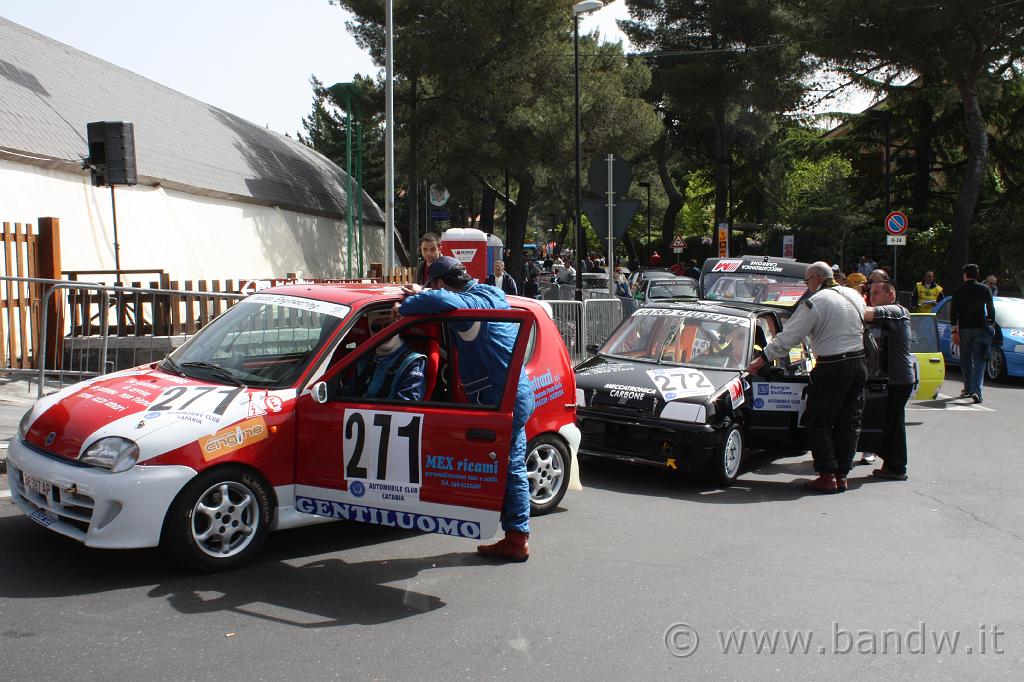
{"points": [[832, 316]]}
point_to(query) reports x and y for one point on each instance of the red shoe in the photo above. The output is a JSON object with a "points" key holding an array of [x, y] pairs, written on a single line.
{"points": [[824, 483], [841, 484], [513, 547]]}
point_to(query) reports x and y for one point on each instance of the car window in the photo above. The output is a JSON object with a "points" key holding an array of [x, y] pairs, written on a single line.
{"points": [[942, 314], [924, 337], [683, 336], [1010, 315], [265, 340], [666, 288]]}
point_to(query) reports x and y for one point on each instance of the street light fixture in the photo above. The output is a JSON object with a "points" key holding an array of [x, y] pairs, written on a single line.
{"points": [[578, 9], [648, 186]]}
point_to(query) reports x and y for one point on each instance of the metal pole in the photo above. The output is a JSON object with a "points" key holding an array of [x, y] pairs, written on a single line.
{"points": [[359, 192], [348, 180], [611, 223], [389, 143], [888, 199], [648, 220], [117, 247], [581, 239]]}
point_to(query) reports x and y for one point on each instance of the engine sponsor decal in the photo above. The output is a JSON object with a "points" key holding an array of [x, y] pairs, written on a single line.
{"points": [[382, 450], [681, 382], [387, 517], [547, 387], [693, 314], [461, 472], [781, 397], [232, 438], [323, 307]]}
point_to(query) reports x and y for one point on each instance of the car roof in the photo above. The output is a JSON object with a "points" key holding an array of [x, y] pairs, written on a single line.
{"points": [[717, 307]]}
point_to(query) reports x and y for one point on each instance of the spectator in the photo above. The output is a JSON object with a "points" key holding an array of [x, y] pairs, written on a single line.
{"points": [[991, 282], [838, 275], [565, 274], [927, 293], [866, 266], [430, 250], [895, 361], [973, 316], [501, 280], [531, 289], [691, 269]]}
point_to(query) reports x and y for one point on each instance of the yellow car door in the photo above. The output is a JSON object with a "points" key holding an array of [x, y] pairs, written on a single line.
{"points": [[929, 365]]}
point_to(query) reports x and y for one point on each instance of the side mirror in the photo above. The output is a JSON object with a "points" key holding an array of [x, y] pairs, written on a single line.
{"points": [[320, 392], [592, 347]]}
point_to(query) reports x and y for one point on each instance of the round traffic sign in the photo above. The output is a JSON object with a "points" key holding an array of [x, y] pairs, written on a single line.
{"points": [[897, 223]]}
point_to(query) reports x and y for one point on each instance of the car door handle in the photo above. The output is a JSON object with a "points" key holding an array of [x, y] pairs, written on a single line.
{"points": [[485, 435], [935, 360]]}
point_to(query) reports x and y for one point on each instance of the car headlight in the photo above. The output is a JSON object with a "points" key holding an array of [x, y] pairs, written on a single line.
{"points": [[114, 453], [23, 424]]}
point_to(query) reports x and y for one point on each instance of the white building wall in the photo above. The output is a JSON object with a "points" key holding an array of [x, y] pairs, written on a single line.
{"points": [[188, 236]]}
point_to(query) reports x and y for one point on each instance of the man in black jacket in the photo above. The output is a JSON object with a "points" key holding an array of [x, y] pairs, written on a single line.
{"points": [[973, 316], [502, 280]]}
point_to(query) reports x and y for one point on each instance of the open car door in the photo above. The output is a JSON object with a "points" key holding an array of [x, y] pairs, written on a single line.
{"points": [[435, 465], [929, 365]]}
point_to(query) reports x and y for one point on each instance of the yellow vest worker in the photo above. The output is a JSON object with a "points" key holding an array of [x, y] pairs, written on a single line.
{"points": [[926, 296]]}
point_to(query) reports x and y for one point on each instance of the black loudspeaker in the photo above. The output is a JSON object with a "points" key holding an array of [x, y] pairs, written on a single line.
{"points": [[112, 153]]}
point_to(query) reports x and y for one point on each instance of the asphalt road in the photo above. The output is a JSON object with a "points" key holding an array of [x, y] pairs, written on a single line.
{"points": [[613, 577]]}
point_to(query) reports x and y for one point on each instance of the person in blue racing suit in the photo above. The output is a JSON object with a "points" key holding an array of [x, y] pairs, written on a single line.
{"points": [[485, 350]]}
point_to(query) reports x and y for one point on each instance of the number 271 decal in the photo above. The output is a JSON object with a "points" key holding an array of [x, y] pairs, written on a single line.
{"points": [[382, 446], [196, 397]]}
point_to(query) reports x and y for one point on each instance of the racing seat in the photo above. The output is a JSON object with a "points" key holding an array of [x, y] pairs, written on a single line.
{"points": [[426, 338]]}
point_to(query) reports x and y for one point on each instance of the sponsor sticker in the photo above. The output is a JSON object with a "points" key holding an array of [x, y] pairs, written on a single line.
{"points": [[464, 255], [323, 307], [386, 517], [232, 438], [781, 397], [736, 393], [693, 314], [727, 266], [273, 403]]}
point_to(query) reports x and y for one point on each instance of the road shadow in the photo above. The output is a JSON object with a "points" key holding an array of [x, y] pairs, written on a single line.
{"points": [[323, 592]]}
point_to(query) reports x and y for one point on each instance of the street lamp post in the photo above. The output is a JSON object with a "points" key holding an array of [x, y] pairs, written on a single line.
{"points": [[578, 9], [648, 186]]}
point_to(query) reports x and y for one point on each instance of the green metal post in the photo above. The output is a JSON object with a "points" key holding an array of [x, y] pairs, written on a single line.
{"points": [[359, 191], [348, 173]]}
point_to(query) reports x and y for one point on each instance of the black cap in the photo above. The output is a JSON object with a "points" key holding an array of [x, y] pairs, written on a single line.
{"points": [[444, 266]]}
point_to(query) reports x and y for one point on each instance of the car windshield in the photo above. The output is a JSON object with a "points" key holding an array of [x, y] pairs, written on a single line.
{"points": [[1010, 314], [667, 288], [754, 288], [683, 336], [265, 340]]}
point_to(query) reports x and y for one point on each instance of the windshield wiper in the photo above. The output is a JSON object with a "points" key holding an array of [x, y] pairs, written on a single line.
{"points": [[222, 372], [170, 364]]}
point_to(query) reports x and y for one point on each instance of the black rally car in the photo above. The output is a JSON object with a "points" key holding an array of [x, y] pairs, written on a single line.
{"points": [[669, 389]]}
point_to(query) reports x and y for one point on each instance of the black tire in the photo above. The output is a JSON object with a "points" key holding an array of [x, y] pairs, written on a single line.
{"points": [[725, 466], [995, 368], [234, 496], [548, 465]]}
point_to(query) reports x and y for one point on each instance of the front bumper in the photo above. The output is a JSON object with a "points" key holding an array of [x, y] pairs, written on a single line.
{"points": [[656, 442], [92, 505]]}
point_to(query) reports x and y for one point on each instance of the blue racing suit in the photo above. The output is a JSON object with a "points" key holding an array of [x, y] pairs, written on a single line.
{"points": [[485, 349]]}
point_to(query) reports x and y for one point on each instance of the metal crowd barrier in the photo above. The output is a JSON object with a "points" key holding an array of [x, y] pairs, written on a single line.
{"points": [[600, 317], [102, 328], [568, 317]]}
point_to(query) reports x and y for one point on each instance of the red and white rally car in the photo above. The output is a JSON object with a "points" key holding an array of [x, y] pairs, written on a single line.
{"points": [[243, 430]]}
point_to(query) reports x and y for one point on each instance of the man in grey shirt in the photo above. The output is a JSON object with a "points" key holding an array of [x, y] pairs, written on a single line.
{"points": [[832, 317], [896, 361]]}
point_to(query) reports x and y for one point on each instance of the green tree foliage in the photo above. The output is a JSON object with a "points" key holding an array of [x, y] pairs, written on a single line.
{"points": [[969, 44]]}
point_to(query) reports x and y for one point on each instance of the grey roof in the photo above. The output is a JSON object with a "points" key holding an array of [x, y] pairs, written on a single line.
{"points": [[49, 91]]}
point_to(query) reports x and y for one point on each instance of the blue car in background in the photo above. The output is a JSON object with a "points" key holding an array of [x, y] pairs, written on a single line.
{"points": [[1007, 360]]}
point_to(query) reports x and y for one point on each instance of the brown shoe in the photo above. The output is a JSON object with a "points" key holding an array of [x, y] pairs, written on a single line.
{"points": [[888, 475], [841, 484], [824, 483], [513, 547]]}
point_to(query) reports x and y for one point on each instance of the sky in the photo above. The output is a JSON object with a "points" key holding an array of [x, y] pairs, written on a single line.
{"points": [[252, 58]]}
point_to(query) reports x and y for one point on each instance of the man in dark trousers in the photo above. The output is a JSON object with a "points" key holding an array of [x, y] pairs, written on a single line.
{"points": [[832, 316], [502, 280], [896, 362], [485, 350], [973, 316]]}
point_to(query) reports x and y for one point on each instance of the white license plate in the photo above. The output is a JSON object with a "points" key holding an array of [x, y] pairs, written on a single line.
{"points": [[36, 485]]}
